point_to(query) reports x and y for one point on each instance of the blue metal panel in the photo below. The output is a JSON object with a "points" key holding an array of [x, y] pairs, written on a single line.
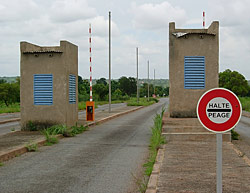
{"points": [[194, 72], [43, 89], [72, 89]]}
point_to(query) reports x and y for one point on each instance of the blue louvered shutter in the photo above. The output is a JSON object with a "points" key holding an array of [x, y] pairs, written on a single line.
{"points": [[72, 89], [194, 72], [43, 89]]}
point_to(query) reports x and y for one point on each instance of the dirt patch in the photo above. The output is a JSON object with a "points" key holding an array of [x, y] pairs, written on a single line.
{"points": [[12, 140]]}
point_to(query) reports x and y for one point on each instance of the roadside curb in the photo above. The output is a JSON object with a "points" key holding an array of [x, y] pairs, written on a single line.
{"points": [[240, 153], [19, 150], [10, 120], [153, 179], [113, 116]]}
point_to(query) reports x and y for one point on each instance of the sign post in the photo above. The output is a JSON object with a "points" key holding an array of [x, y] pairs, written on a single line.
{"points": [[219, 110]]}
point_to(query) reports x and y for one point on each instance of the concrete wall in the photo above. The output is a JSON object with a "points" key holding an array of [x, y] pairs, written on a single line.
{"points": [[196, 42], [61, 61]]}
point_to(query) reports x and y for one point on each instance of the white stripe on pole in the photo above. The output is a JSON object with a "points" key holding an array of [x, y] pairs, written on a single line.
{"points": [[90, 62]]}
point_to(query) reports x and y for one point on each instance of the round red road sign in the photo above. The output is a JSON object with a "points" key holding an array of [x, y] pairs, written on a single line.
{"points": [[219, 110]]}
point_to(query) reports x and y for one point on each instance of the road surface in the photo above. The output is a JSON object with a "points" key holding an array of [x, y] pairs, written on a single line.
{"points": [[101, 160]]}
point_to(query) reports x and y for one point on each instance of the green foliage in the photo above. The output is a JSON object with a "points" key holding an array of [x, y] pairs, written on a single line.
{"points": [[142, 101], [75, 130], [1, 164], [235, 82], [32, 147], [102, 81], [12, 108], [234, 135], [128, 86], [2, 81], [100, 91], [9, 93], [50, 139], [155, 142], [245, 102], [30, 126]]}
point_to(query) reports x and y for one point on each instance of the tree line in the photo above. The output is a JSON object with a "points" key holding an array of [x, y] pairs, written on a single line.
{"points": [[125, 88], [122, 89]]}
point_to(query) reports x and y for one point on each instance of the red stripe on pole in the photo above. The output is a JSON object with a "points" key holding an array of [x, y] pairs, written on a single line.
{"points": [[89, 49], [90, 97], [90, 78], [203, 13], [90, 88], [89, 30], [89, 40], [90, 68], [90, 59]]}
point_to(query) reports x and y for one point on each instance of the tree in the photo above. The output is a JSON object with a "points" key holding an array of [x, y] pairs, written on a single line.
{"points": [[101, 91], [10, 93], [127, 85], [114, 86], [102, 81], [235, 82], [2, 81]]}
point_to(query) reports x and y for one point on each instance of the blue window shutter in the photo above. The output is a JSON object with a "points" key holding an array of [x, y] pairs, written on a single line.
{"points": [[194, 72], [43, 89], [72, 89]]}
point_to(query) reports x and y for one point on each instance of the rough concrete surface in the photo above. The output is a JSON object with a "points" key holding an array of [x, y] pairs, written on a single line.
{"points": [[190, 166]]}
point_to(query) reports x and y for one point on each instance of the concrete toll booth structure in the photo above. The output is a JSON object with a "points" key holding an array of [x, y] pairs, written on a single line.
{"points": [[193, 67], [49, 82]]}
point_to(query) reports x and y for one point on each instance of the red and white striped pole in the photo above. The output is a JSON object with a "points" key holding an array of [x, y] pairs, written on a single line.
{"points": [[90, 61], [203, 19]]}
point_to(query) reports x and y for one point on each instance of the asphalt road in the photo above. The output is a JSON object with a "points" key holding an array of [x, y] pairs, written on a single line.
{"points": [[101, 160], [243, 128], [15, 126]]}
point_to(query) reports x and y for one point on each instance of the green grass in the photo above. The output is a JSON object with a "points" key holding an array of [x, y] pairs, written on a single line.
{"points": [[32, 147], [142, 101], [1, 164], [82, 105], [156, 141], [234, 135], [245, 102], [10, 109]]}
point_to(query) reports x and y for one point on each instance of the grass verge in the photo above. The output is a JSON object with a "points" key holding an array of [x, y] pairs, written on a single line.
{"points": [[32, 147], [52, 132], [9, 109], [234, 135], [155, 142], [1, 164], [142, 101], [245, 102]]}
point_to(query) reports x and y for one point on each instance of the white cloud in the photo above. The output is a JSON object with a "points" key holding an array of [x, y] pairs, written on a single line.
{"points": [[157, 16], [13, 11], [71, 10]]}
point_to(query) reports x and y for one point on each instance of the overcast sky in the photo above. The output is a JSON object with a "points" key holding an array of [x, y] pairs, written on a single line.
{"points": [[139, 23]]}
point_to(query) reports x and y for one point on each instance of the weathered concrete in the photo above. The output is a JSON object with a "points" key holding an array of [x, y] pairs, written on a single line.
{"points": [[197, 42], [190, 165], [60, 61]]}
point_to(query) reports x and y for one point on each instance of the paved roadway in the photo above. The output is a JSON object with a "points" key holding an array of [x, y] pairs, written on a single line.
{"points": [[15, 126], [101, 160], [243, 128]]}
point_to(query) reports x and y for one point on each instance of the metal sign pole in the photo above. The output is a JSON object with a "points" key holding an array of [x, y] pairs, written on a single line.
{"points": [[219, 162]]}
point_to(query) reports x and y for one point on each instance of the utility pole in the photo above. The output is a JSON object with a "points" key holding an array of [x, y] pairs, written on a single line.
{"points": [[148, 80], [137, 80], [154, 81], [109, 62]]}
